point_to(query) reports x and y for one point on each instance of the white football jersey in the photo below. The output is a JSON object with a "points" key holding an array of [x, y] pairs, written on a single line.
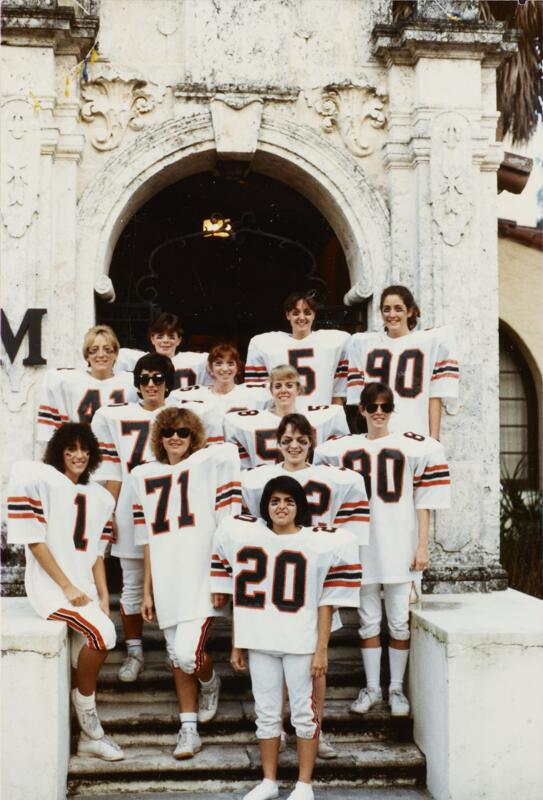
{"points": [[336, 497], [190, 367], [254, 432], [241, 398], [403, 472], [176, 512], [320, 358], [418, 366], [278, 582], [123, 434], [73, 395], [74, 521]]}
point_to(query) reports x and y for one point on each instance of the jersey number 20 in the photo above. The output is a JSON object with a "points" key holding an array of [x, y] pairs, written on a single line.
{"points": [[290, 598]]}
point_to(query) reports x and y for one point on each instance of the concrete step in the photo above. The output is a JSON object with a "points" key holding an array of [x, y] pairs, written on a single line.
{"points": [[157, 675], [229, 766], [149, 717], [322, 791]]}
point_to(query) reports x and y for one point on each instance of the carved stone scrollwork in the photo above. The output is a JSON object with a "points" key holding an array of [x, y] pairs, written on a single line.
{"points": [[20, 152], [451, 181], [114, 102], [353, 111]]}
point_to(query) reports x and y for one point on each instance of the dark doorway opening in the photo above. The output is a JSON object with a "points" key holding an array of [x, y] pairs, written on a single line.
{"points": [[230, 287]]}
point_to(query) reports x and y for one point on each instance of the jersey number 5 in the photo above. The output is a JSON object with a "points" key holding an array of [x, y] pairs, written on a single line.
{"points": [[308, 374], [288, 564]]}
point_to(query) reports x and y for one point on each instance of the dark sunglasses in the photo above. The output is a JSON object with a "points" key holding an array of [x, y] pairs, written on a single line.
{"points": [[387, 408], [158, 379], [183, 433]]}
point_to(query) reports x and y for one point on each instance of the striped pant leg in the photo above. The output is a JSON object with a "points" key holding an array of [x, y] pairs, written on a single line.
{"points": [[189, 645], [301, 695], [91, 623]]}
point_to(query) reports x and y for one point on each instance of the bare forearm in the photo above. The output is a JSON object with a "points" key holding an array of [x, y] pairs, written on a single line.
{"points": [[324, 626], [114, 488], [423, 516], [434, 417], [338, 401], [147, 578]]}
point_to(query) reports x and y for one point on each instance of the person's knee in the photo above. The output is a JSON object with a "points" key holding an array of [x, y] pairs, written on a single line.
{"points": [[185, 657], [369, 628], [268, 724], [399, 629], [109, 635]]}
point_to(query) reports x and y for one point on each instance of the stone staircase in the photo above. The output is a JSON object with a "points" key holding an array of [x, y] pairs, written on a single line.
{"points": [[376, 750]]}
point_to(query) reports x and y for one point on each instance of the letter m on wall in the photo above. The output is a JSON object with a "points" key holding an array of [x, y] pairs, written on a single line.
{"points": [[31, 326]]}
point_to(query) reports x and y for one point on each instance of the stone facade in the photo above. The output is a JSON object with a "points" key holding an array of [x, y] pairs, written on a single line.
{"points": [[388, 129]]}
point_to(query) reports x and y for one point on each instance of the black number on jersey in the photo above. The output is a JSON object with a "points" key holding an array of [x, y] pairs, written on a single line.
{"points": [[262, 444], [250, 576], [290, 600], [316, 408], [418, 437], [92, 401], [318, 498], [295, 598], [410, 363], [308, 374], [163, 484], [141, 429], [390, 494], [80, 541], [378, 365], [360, 461], [184, 378], [88, 406]]}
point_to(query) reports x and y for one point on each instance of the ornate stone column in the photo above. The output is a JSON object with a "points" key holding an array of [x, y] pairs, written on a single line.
{"points": [[441, 157]]}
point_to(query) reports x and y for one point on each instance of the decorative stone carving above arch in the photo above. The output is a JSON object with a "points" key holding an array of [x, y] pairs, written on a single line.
{"points": [[295, 154]]}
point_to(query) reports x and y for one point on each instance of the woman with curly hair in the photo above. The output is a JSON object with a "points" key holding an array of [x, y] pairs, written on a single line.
{"points": [[63, 519], [180, 499]]}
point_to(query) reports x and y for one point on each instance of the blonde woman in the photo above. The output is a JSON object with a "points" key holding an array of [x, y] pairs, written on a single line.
{"points": [[74, 395]]}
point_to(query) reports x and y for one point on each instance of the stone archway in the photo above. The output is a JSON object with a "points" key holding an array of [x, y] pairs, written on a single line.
{"points": [[166, 153]]}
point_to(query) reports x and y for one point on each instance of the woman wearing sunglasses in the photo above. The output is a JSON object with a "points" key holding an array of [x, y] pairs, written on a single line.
{"points": [[179, 500], [420, 366], [123, 437], [406, 475]]}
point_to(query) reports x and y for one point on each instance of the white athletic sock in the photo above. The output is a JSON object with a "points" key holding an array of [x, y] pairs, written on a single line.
{"points": [[303, 790], [398, 662], [210, 684], [371, 658], [188, 720], [134, 647], [84, 700]]}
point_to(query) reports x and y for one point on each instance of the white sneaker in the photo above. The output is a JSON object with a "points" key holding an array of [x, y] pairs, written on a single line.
{"points": [[265, 790], [88, 719], [104, 748], [131, 668], [325, 749], [208, 701], [302, 791], [399, 704], [365, 700], [188, 744]]}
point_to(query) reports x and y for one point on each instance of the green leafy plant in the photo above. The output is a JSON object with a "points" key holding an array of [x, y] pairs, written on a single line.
{"points": [[521, 516]]}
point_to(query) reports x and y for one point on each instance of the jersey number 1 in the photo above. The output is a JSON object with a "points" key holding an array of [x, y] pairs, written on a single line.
{"points": [[80, 540]]}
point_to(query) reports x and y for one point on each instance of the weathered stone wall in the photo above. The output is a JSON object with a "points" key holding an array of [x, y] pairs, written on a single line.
{"points": [[388, 130]]}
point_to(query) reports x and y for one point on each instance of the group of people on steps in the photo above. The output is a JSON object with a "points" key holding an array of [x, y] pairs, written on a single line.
{"points": [[237, 491]]}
